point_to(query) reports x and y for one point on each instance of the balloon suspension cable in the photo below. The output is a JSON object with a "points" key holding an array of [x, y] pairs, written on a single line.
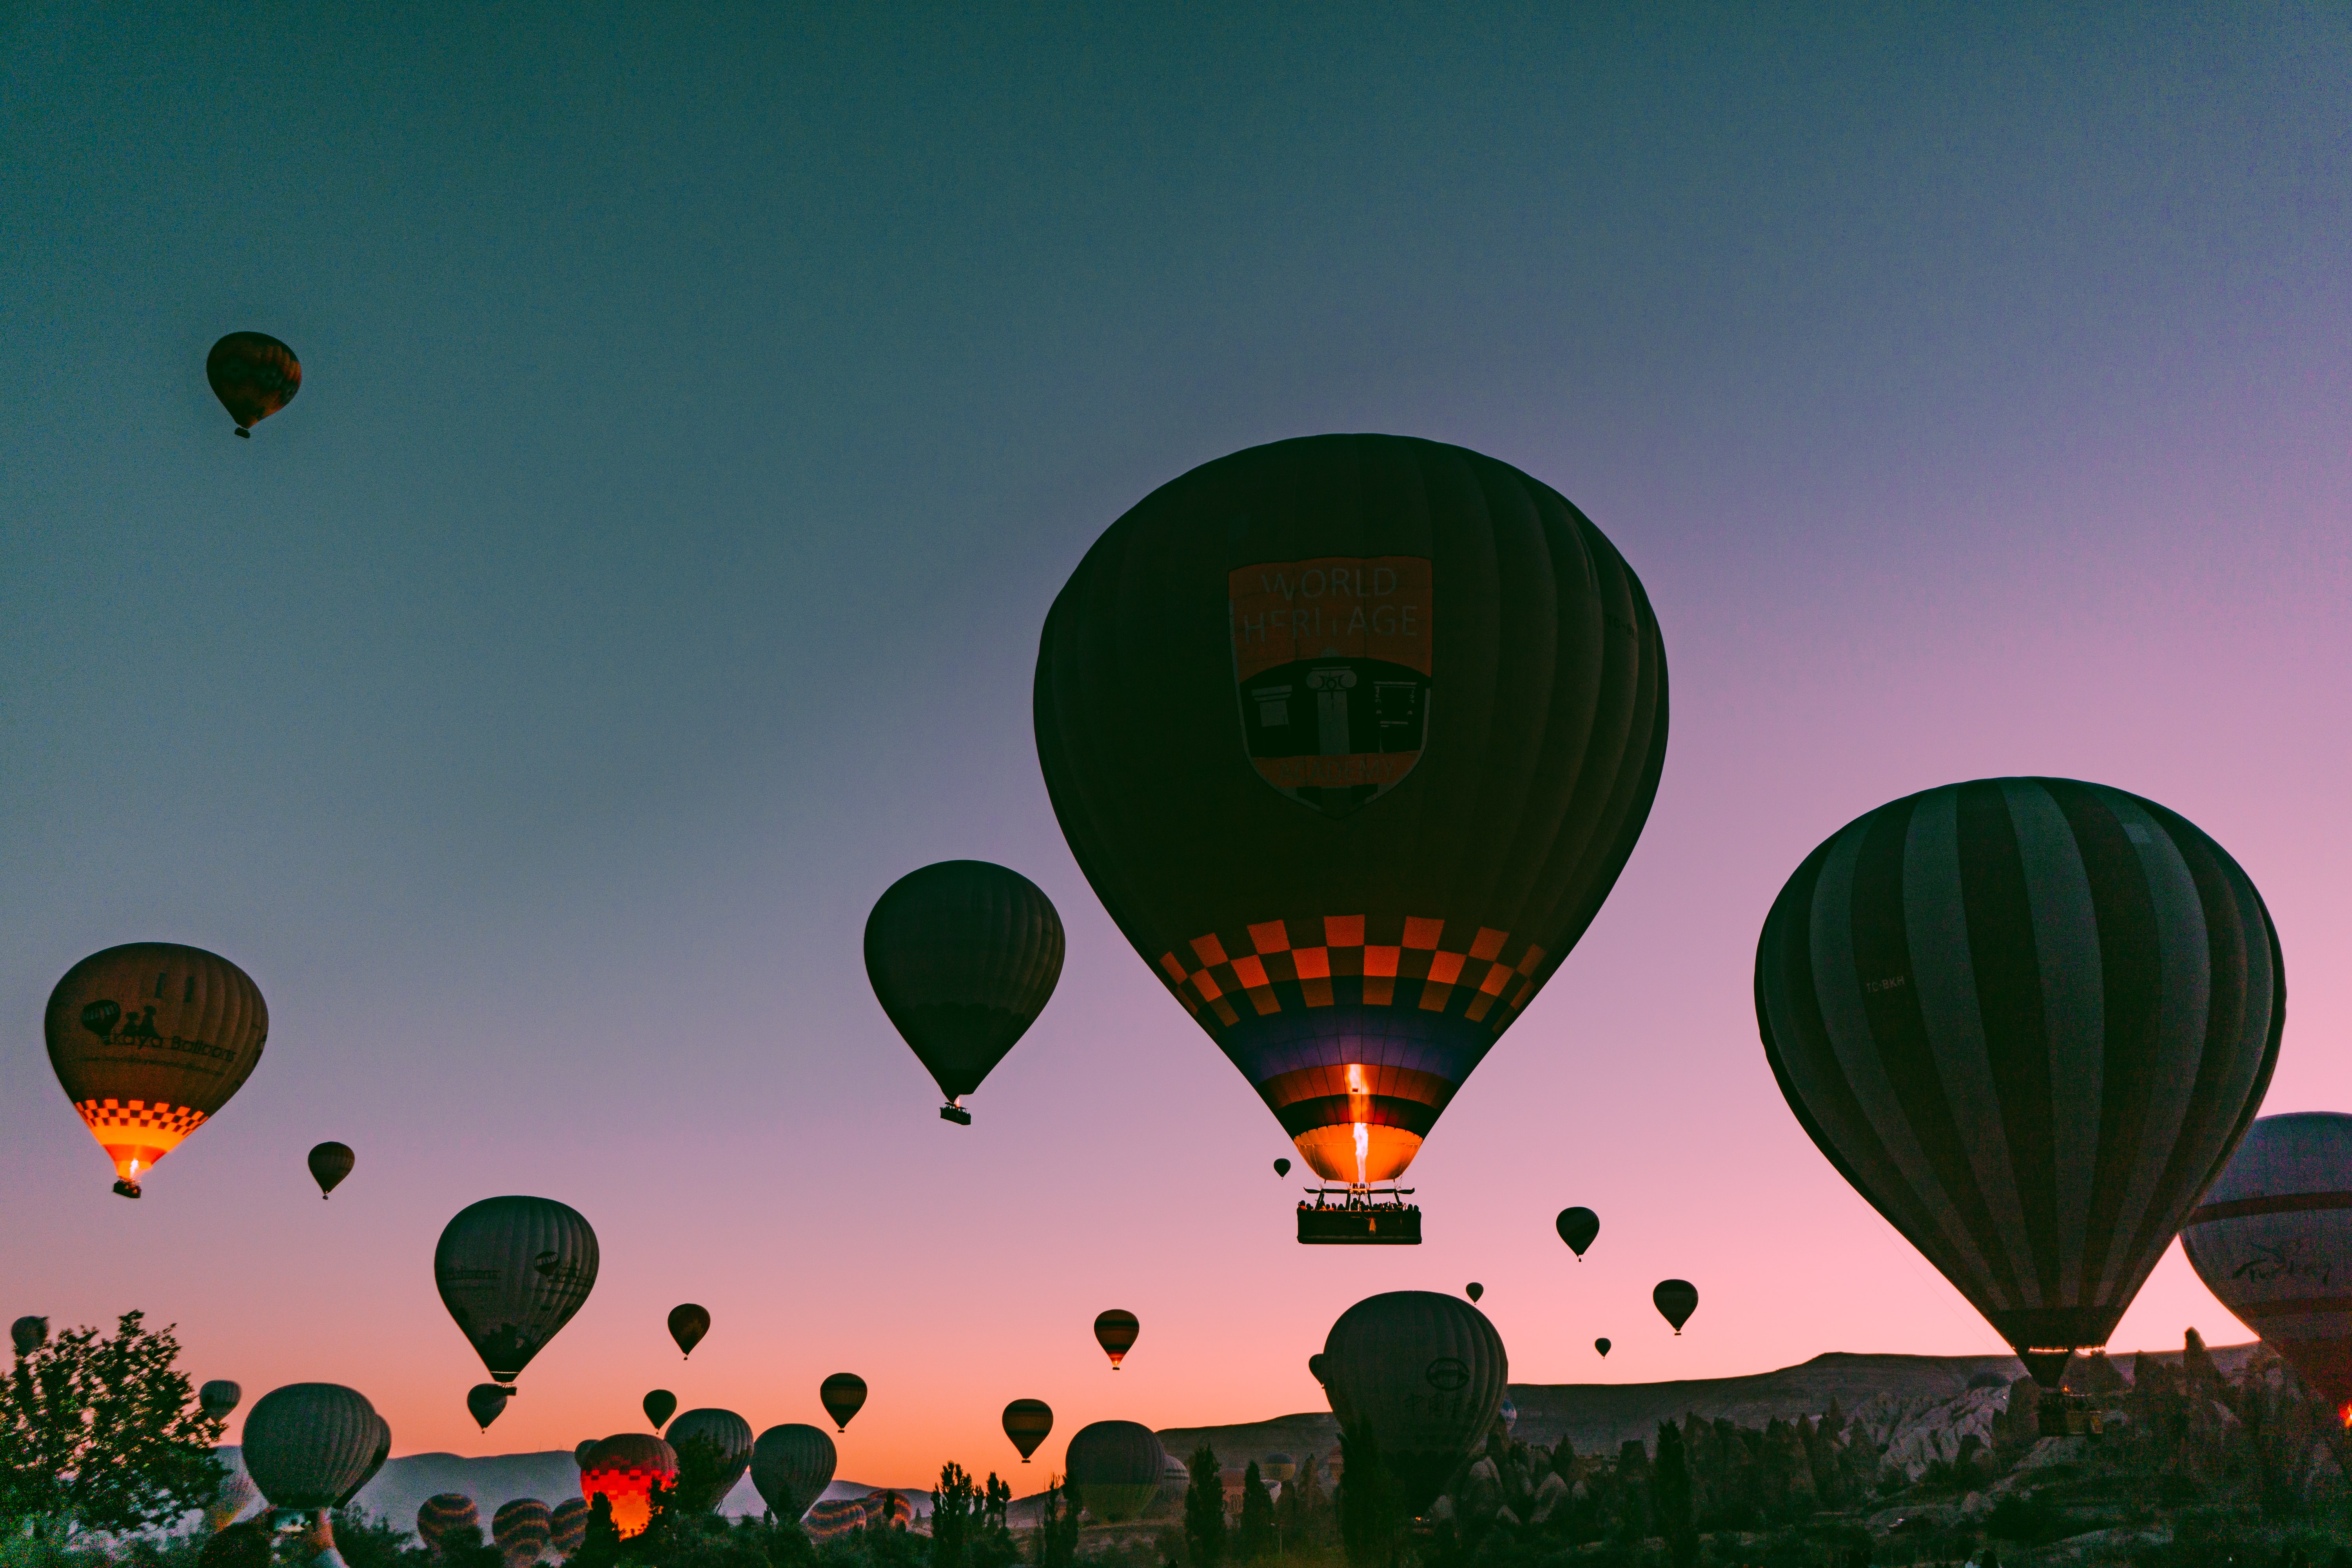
{"points": [[1359, 1196]]}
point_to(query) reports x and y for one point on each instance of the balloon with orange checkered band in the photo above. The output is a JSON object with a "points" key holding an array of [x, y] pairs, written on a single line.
{"points": [[1351, 736]]}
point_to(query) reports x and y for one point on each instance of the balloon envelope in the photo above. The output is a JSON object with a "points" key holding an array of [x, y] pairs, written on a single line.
{"points": [[512, 1270], [1423, 1374], [687, 1324], [520, 1529], [567, 1526], [1027, 1422], [1578, 1226], [444, 1516], [1351, 883], [2027, 1019], [1600, 1345], [714, 1449], [28, 1334], [148, 1040], [486, 1401], [792, 1464], [1114, 1469], [1676, 1299], [253, 375], [376, 1462], [307, 1445], [1115, 1331], [1473, 1289], [842, 1394], [964, 955], [624, 1468], [329, 1163], [659, 1405], [2272, 1238], [1282, 1167], [219, 1397]]}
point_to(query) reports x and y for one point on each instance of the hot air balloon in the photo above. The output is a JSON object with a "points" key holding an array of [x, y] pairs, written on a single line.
{"points": [[687, 1324], [1353, 888], [567, 1526], [2273, 1236], [1026, 1422], [148, 1040], [1282, 1167], [512, 1270], [659, 1405], [28, 1334], [520, 1529], [329, 1163], [447, 1518], [963, 956], [1473, 1289], [219, 1397], [1114, 1469], [2027, 1019], [842, 1394], [624, 1468], [309, 1445], [580, 1452], [485, 1402], [1279, 1467], [235, 1494], [792, 1464], [1423, 1374], [253, 375], [831, 1520], [1115, 1331], [376, 1462], [1578, 1226], [714, 1449], [1676, 1299], [1602, 1345]]}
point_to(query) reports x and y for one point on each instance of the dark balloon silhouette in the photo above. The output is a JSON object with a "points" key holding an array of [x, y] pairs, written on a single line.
{"points": [[253, 375], [309, 1445], [1115, 1331], [109, 1022], [659, 1407], [842, 1395], [447, 1517], [1318, 1367], [724, 1440], [1423, 1374], [1578, 1226], [1352, 882], [567, 1526], [1473, 1289], [512, 1270], [28, 1334], [580, 1452], [1027, 1422], [329, 1163], [792, 1464], [376, 1462], [687, 1324], [486, 1401], [219, 1397], [964, 955], [520, 1529], [1282, 1167], [1114, 1467], [1600, 1345], [1676, 1299], [2027, 1019]]}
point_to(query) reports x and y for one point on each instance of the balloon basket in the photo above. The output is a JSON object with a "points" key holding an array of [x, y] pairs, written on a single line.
{"points": [[955, 1113], [1360, 1218]]}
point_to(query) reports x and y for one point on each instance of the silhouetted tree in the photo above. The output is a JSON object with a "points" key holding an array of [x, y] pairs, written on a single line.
{"points": [[1254, 1538], [1369, 1512], [1670, 1497], [953, 1504], [1056, 1535], [1204, 1509]]}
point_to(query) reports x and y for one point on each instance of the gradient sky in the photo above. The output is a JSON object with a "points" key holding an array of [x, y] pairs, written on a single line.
{"points": [[703, 404]]}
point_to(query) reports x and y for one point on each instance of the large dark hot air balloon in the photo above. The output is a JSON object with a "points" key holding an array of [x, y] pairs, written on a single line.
{"points": [[1352, 734], [148, 1040], [329, 1163], [963, 956], [687, 1324], [2272, 1238], [1675, 1300], [219, 1397], [792, 1464], [376, 1462], [1115, 1331], [1423, 1374], [659, 1405], [842, 1395], [714, 1449], [511, 1271], [624, 1469], [28, 1334], [308, 1446], [2027, 1019], [567, 1527], [486, 1401], [1114, 1469], [1578, 1226], [447, 1518], [253, 375], [1027, 1422], [520, 1529]]}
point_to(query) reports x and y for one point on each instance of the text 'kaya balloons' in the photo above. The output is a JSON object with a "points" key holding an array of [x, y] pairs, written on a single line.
{"points": [[2273, 1240], [1424, 1375], [963, 956], [2027, 1019], [1351, 736], [149, 1040], [512, 1270], [253, 375], [792, 1464], [1115, 1331]]}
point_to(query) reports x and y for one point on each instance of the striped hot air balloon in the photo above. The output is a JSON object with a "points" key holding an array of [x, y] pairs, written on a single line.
{"points": [[253, 375], [512, 1270], [520, 1529], [792, 1464], [1026, 1423], [446, 1520], [567, 1526], [714, 1449], [624, 1468], [2028, 1019], [1114, 1469], [831, 1520], [1423, 1374], [2272, 1238]]}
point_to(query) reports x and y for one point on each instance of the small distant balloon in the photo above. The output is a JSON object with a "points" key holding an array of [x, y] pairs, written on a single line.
{"points": [[484, 1401], [219, 1397], [28, 1334], [1315, 1366], [1115, 1331], [1600, 1345], [659, 1407], [1578, 1226], [687, 1324], [1282, 1167], [567, 1526], [443, 1515], [520, 1529], [1026, 1422], [842, 1394], [1473, 1289], [1676, 1300], [329, 1163], [253, 375]]}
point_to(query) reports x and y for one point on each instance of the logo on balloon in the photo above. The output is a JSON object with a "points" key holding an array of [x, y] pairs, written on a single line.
{"points": [[1448, 1375], [100, 1018], [2284, 1260]]}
